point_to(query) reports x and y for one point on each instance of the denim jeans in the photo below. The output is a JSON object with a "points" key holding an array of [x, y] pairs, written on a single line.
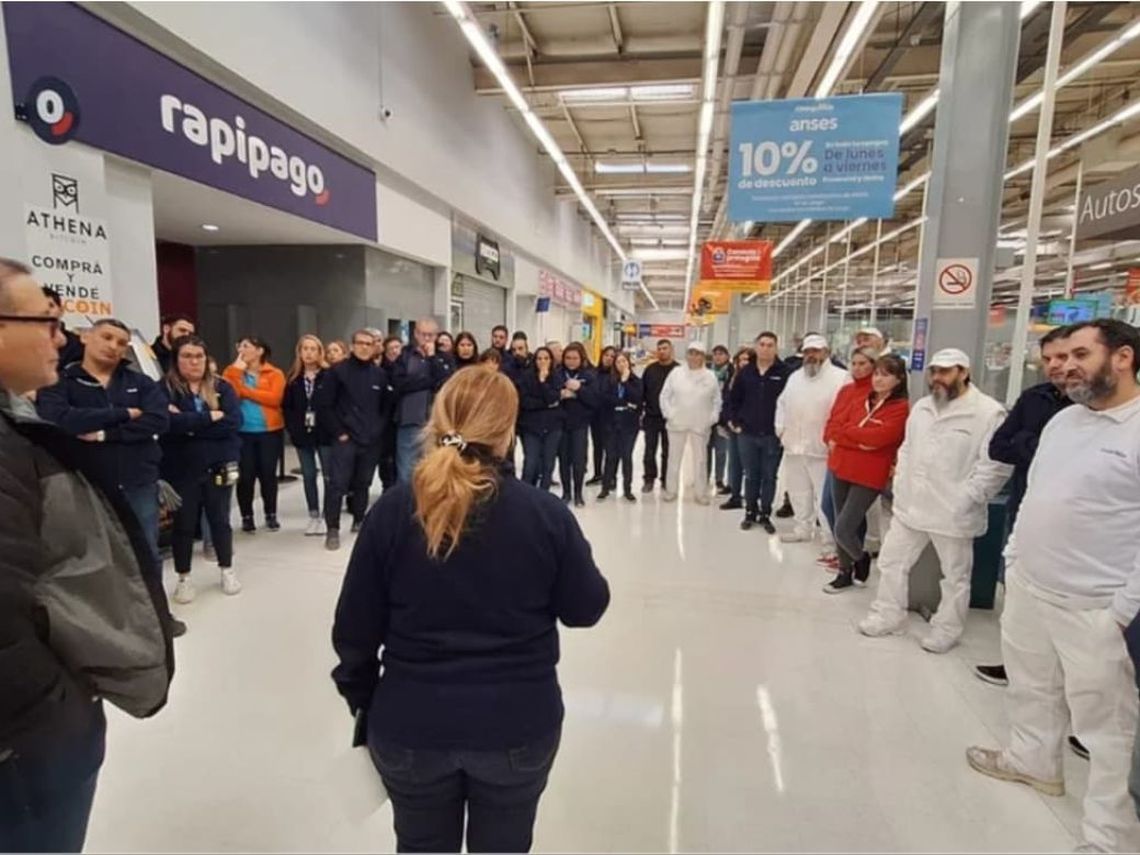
{"points": [[539, 454], [572, 457], [760, 456], [408, 451], [308, 455], [35, 822], [717, 457], [353, 467], [432, 790], [735, 481], [144, 502]]}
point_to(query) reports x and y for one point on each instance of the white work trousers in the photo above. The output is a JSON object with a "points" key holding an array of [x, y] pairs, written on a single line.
{"points": [[1069, 665], [803, 479], [692, 446], [901, 549]]}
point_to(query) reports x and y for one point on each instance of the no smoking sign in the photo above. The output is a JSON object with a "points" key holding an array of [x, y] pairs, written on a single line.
{"points": [[956, 283]]}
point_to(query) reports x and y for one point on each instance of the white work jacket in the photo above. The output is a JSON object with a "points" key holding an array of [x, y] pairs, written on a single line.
{"points": [[802, 410], [690, 400]]}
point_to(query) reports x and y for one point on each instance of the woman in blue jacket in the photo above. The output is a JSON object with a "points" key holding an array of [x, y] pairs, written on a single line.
{"points": [[579, 393], [200, 456], [540, 418], [621, 395], [309, 436], [601, 426]]}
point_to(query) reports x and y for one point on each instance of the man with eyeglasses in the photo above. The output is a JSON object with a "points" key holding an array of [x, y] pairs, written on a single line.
{"points": [[77, 619], [419, 373], [354, 409]]}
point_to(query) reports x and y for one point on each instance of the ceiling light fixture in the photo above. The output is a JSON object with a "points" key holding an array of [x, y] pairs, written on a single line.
{"points": [[1119, 117], [668, 168], [478, 40], [210, 227], [603, 168], [662, 92], [600, 93], [843, 53], [921, 111], [790, 237], [1027, 8]]}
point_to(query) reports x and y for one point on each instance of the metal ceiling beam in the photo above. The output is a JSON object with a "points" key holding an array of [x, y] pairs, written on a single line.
{"points": [[822, 37], [615, 28], [612, 72], [927, 16]]}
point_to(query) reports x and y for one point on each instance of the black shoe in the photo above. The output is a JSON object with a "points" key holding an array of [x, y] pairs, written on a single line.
{"points": [[332, 540], [566, 497], [647, 487], [595, 481], [1078, 748], [732, 505], [862, 569], [247, 525], [722, 490], [271, 522], [356, 526], [839, 584], [579, 502], [786, 510], [629, 497], [554, 483], [767, 525], [992, 674], [749, 521], [602, 496], [178, 629]]}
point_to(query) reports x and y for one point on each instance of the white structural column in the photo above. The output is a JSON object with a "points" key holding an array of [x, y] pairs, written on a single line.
{"points": [[1036, 201], [875, 272]]}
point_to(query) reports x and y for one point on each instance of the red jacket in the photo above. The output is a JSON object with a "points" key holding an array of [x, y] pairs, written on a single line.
{"points": [[867, 441], [854, 394]]}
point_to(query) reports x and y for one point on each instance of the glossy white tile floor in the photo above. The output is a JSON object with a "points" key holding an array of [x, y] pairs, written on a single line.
{"points": [[724, 703]]}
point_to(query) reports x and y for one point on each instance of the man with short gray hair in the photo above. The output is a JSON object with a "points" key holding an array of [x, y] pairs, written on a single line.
{"points": [[417, 376]]}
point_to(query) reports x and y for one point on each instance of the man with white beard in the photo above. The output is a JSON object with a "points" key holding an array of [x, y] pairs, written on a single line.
{"points": [[801, 414], [944, 480], [1073, 592]]}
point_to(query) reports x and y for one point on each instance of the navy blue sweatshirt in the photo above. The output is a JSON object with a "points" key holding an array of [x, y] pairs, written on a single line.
{"points": [[1015, 442], [353, 400], [195, 442], [621, 402], [653, 379], [469, 644], [578, 411], [752, 401], [297, 402], [128, 456], [416, 378], [540, 409]]}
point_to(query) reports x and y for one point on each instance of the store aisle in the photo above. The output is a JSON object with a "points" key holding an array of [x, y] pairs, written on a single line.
{"points": [[724, 703]]}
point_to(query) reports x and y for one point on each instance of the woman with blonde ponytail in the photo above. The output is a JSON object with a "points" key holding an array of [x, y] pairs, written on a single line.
{"points": [[458, 581]]}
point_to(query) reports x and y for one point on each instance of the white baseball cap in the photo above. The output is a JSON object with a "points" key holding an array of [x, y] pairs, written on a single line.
{"points": [[871, 331], [695, 346], [814, 342], [950, 357]]}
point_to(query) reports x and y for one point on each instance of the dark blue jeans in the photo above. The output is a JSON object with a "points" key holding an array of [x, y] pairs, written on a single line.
{"points": [[432, 791], [760, 457], [539, 453], [31, 823], [408, 451], [622, 440], [718, 456], [144, 502], [308, 455], [735, 467], [572, 458], [353, 467]]}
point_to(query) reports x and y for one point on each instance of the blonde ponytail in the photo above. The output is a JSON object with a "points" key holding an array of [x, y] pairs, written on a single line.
{"points": [[469, 434]]}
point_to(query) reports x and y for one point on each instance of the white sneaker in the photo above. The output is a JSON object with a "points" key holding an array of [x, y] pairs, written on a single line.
{"points": [[702, 499], [184, 591], [938, 642], [995, 764], [669, 497], [230, 583], [795, 537], [316, 527], [875, 625]]}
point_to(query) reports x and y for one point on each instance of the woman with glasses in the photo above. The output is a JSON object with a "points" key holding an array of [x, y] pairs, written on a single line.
{"points": [[311, 439], [260, 387], [200, 459]]}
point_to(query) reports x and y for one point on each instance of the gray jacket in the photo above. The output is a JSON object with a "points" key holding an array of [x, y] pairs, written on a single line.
{"points": [[78, 622]]}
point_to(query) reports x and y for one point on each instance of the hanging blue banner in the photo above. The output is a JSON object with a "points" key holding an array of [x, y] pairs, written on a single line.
{"points": [[814, 158]]}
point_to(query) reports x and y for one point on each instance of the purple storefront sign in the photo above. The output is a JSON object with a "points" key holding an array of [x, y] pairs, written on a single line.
{"points": [[76, 77]]}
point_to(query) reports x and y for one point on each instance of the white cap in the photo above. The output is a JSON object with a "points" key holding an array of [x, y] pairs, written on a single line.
{"points": [[814, 342], [950, 357], [872, 331], [696, 346]]}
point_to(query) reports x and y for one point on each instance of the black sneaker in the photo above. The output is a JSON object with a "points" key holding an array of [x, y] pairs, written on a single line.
{"points": [[992, 674], [839, 584], [602, 496], [247, 525], [579, 502], [862, 570], [357, 525], [629, 497], [767, 525], [566, 497], [786, 510], [178, 629], [595, 481], [732, 505], [554, 483], [647, 487], [332, 540], [271, 522], [748, 521], [1078, 748]]}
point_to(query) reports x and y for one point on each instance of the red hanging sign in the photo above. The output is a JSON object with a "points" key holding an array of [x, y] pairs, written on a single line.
{"points": [[737, 265]]}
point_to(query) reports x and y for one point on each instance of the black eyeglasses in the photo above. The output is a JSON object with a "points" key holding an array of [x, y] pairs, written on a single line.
{"points": [[51, 321]]}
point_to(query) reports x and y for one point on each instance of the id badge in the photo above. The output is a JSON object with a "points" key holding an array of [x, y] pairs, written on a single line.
{"points": [[310, 419]]}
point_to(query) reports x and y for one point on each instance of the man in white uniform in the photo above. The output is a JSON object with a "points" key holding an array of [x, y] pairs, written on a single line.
{"points": [[690, 403], [1073, 586], [801, 414], [944, 480]]}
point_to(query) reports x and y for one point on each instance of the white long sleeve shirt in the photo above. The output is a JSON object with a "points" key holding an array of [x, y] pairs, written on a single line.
{"points": [[945, 477], [690, 400], [803, 409], [1077, 535]]}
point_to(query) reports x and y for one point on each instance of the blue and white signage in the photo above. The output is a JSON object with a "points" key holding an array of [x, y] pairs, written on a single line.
{"points": [[815, 158]]}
